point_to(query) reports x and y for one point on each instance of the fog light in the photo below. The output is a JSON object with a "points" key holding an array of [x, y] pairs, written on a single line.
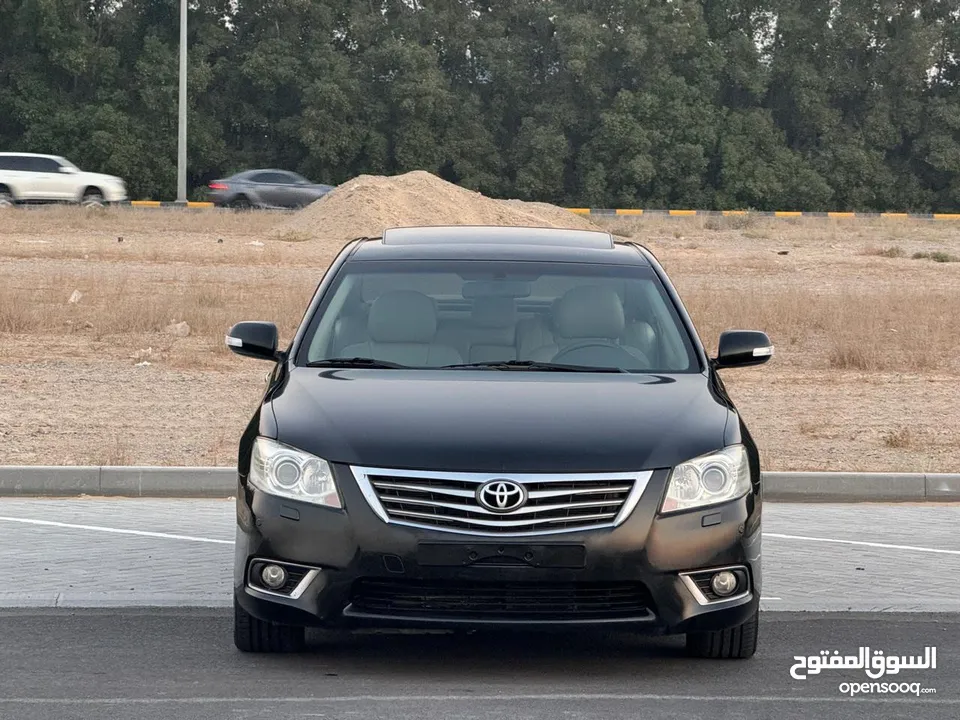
{"points": [[724, 583], [274, 576]]}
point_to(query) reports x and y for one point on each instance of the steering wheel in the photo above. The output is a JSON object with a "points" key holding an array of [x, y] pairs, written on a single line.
{"points": [[630, 357]]}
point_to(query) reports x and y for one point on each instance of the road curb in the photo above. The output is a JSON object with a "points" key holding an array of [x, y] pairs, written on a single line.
{"points": [[221, 482]]}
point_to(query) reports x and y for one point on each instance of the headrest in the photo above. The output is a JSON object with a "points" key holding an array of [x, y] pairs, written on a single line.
{"points": [[401, 316], [636, 304], [589, 311], [494, 312]]}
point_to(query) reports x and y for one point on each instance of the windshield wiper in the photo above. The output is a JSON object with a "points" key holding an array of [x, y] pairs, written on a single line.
{"points": [[358, 362], [533, 365]]}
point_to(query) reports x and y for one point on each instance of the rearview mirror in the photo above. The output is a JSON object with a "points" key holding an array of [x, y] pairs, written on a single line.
{"points": [[254, 339], [743, 348]]}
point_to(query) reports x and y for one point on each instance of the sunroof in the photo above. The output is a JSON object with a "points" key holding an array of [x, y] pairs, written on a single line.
{"points": [[497, 235]]}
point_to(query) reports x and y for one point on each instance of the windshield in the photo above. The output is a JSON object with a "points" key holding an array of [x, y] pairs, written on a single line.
{"points": [[447, 313]]}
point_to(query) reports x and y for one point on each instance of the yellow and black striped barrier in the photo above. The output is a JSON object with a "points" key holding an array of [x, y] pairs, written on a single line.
{"points": [[162, 203], [637, 212], [603, 212]]}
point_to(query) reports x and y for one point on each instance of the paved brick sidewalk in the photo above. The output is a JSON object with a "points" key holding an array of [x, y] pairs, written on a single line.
{"points": [[48, 564]]}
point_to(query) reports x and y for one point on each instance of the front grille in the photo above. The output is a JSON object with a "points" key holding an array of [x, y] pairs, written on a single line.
{"points": [[448, 501], [456, 599]]}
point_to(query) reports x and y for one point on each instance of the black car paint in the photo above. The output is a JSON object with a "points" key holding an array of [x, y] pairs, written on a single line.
{"points": [[372, 417], [482, 421]]}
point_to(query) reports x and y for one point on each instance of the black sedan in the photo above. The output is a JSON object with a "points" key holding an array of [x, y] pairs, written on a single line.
{"points": [[265, 189], [511, 427]]}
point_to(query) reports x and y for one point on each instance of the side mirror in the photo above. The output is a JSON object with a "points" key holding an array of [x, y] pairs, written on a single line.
{"points": [[254, 339], [67, 170], [743, 348]]}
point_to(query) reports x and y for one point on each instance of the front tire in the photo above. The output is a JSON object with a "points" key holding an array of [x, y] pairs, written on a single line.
{"points": [[738, 642], [254, 635], [6, 199], [92, 199]]}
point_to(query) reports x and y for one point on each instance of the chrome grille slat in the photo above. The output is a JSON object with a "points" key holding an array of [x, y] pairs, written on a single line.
{"points": [[482, 511], [539, 494], [423, 488], [503, 523], [447, 501]]}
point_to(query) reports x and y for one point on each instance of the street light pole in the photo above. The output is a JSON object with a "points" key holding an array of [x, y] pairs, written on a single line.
{"points": [[182, 135]]}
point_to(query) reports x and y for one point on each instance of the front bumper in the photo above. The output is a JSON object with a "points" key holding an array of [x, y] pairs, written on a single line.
{"points": [[115, 194], [354, 548]]}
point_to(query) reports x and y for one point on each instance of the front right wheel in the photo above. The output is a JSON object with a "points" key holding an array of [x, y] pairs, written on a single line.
{"points": [[251, 634], [738, 642]]}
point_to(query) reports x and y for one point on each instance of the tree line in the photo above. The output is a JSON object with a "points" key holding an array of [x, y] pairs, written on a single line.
{"points": [[711, 104]]}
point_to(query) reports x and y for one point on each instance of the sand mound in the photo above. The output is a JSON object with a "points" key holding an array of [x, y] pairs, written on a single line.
{"points": [[369, 204]]}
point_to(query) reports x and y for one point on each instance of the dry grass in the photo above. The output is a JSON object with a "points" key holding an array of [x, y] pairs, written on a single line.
{"points": [[117, 454], [936, 256], [902, 437], [889, 252], [16, 314], [292, 236], [117, 305], [900, 330], [863, 344], [54, 221]]}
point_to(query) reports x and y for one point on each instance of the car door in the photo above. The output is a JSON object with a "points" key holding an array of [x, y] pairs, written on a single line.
{"points": [[42, 180], [282, 191], [302, 191], [65, 180], [23, 178]]}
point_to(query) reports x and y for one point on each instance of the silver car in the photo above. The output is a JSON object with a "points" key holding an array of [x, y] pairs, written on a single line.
{"points": [[267, 189]]}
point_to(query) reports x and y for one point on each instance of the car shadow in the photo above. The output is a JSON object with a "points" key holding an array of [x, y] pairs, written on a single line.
{"points": [[573, 654]]}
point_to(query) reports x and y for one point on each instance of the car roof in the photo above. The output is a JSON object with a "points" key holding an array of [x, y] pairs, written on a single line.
{"points": [[26, 154], [263, 170], [496, 242]]}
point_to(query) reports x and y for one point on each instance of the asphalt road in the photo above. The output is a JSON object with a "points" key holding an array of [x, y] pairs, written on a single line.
{"points": [[83, 636], [144, 664], [99, 552]]}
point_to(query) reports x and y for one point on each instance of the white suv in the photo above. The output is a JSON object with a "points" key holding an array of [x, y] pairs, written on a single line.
{"points": [[32, 178]]}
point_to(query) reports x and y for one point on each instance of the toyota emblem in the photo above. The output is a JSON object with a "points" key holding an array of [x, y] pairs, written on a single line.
{"points": [[501, 496]]}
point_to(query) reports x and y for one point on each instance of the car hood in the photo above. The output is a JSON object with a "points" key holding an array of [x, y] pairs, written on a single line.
{"points": [[498, 421]]}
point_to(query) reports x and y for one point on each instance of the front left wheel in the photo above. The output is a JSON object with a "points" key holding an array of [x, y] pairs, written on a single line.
{"points": [[738, 642], [251, 634], [92, 199]]}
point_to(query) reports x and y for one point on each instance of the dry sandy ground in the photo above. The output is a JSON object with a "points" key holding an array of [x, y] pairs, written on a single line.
{"points": [[865, 376]]}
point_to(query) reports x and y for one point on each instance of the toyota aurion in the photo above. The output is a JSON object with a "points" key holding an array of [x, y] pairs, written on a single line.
{"points": [[479, 427]]}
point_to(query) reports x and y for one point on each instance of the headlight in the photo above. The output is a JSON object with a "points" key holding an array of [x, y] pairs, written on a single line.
{"points": [[287, 472], [709, 479]]}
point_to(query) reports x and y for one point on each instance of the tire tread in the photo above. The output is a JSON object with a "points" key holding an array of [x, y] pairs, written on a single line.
{"points": [[738, 642], [251, 634]]}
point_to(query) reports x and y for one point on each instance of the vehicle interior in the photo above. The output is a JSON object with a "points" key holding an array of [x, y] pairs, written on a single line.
{"points": [[437, 319]]}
